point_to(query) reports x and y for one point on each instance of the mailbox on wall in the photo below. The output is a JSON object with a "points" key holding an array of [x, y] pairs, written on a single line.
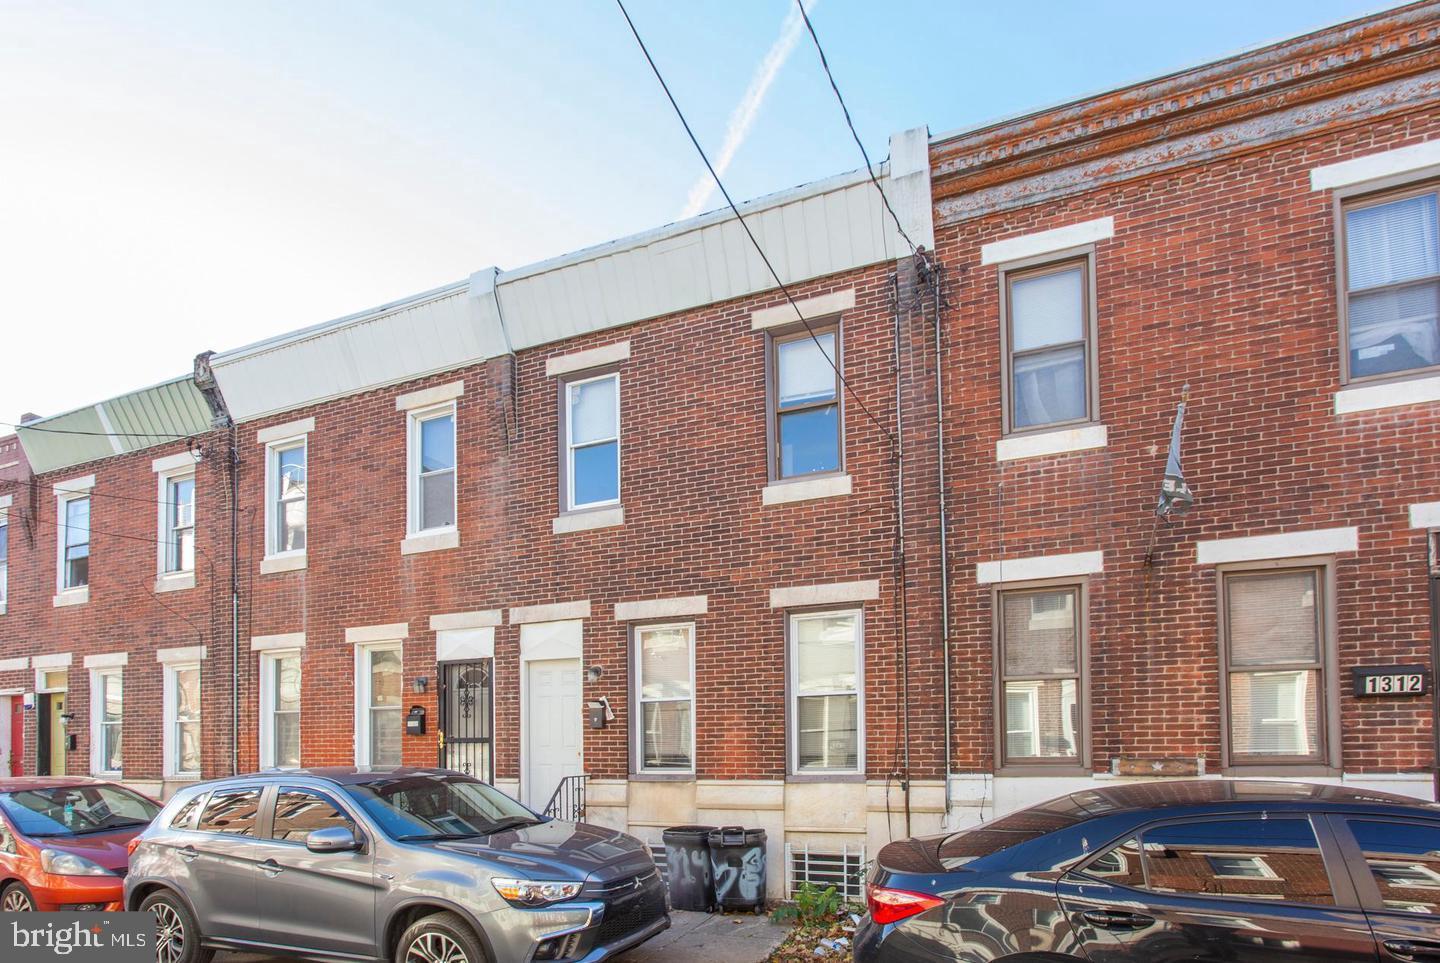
{"points": [[415, 721]]}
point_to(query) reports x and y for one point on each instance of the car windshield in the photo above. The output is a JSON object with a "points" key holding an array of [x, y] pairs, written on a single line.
{"points": [[435, 806], [76, 810]]}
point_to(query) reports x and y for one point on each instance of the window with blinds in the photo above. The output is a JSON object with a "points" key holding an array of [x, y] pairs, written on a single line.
{"points": [[1392, 283], [1275, 665], [1040, 638]]}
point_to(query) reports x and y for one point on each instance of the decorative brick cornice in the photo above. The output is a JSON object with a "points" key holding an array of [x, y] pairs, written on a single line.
{"points": [[1329, 77]]}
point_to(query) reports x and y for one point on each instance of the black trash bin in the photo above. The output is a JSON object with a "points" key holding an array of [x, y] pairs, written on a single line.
{"points": [[737, 862], [687, 863]]}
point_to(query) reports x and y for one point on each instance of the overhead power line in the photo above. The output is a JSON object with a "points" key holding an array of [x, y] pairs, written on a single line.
{"points": [[99, 434], [746, 226]]}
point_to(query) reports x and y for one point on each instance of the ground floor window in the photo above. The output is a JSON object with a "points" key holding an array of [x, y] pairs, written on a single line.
{"points": [[378, 693], [107, 703], [280, 710], [182, 720], [826, 709], [1040, 649], [665, 688]]}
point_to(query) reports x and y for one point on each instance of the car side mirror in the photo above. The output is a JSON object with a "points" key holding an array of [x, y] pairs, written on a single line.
{"points": [[332, 839]]}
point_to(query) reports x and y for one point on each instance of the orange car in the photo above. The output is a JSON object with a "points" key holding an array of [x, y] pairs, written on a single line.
{"points": [[63, 842]]}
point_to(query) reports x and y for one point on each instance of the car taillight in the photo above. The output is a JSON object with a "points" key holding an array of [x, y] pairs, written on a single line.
{"points": [[893, 905], [130, 846]]}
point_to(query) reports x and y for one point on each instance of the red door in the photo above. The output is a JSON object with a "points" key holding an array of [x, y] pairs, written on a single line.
{"points": [[17, 736]]}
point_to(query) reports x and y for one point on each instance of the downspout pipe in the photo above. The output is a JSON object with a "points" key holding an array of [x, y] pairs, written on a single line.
{"points": [[900, 552], [937, 282]]}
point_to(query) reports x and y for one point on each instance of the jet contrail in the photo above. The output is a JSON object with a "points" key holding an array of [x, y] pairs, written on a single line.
{"points": [[742, 118]]}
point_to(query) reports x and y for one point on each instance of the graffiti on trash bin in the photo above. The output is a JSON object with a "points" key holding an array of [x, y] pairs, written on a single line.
{"points": [[687, 866], [741, 880]]}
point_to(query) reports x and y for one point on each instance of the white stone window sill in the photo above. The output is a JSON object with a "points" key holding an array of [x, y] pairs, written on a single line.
{"points": [[1390, 394], [805, 489], [430, 542], [586, 520], [1059, 442], [175, 582], [283, 563], [75, 596]]}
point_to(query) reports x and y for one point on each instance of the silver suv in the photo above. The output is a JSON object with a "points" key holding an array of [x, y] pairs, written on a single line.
{"points": [[409, 865]]}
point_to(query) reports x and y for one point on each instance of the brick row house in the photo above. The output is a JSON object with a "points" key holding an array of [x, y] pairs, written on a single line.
{"points": [[866, 558]]}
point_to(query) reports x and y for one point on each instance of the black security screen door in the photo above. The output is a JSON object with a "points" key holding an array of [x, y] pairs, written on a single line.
{"points": [[466, 718]]}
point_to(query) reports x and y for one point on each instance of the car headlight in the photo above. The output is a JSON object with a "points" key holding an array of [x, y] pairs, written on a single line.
{"points": [[535, 892], [68, 864]]}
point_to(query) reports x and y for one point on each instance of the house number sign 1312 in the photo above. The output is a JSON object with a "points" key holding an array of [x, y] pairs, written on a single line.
{"points": [[1391, 680]]}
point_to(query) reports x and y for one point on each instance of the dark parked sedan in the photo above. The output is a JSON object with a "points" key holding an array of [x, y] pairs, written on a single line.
{"points": [[1160, 872]]}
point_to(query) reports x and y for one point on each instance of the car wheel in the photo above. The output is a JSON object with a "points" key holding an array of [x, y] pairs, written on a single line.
{"points": [[15, 898], [442, 938], [177, 934]]}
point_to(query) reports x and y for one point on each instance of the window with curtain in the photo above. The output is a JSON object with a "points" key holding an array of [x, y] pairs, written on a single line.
{"points": [[807, 423], [1048, 345], [4, 559], [108, 725], [280, 697], [666, 689], [383, 692], [180, 524], [432, 484], [185, 720], [288, 473], [825, 706], [1392, 284], [1274, 624], [592, 442], [75, 544], [1040, 636]]}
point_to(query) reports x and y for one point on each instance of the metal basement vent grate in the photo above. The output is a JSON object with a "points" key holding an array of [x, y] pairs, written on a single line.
{"points": [[657, 852], [845, 870]]}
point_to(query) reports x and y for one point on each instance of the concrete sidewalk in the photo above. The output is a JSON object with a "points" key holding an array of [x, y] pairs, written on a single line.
{"points": [[692, 937]]}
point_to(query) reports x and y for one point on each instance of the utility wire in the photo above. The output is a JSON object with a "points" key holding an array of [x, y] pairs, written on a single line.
{"points": [[746, 226], [99, 434], [869, 167]]}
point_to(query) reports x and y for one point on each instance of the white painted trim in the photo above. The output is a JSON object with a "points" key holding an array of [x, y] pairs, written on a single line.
{"points": [[833, 593], [1324, 541], [75, 596], [1389, 163], [1040, 567], [286, 432], [97, 672], [362, 691], [820, 306], [75, 486], [185, 654], [426, 397], [1425, 515], [587, 520], [169, 717], [14, 665], [430, 542], [662, 608], [176, 582], [1390, 394], [589, 358], [554, 612], [465, 645], [266, 728], [561, 639], [1047, 242], [273, 450], [183, 463], [291, 562], [107, 660], [366, 634], [486, 618], [6, 501], [57, 660], [805, 489], [268, 643], [1045, 443]]}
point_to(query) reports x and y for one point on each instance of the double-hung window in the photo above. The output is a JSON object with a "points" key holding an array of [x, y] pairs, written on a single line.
{"points": [[592, 441], [432, 469], [665, 687], [1274, 655], [826, 705], [107, 716], [74, 542], [280, 710], [806, 422], [379, 712], [1049, 345], [1391, 283], [182, 720], [4, 559], [1040, 642], [178, 511], [287, 483]]}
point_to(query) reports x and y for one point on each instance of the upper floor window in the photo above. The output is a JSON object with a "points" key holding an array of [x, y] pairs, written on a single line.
{"points": [[1391, 290], [664, 685], [592, 441], [806, 421], [1049, 345], [1275, 659], [287, 481], [1040, 659], [75, 542], [179, 515], [4, 559], [825, 711], [432, 469]]}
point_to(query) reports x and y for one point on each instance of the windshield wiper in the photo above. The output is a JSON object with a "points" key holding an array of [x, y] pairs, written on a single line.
{"points": [[510, 822], [412, 837]]}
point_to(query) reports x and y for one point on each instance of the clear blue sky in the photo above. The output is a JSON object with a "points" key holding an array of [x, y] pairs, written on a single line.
{"points": [[188, 174]]}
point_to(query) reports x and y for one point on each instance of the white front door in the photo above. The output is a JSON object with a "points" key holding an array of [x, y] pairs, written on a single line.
{"points": [[552, 727]]}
